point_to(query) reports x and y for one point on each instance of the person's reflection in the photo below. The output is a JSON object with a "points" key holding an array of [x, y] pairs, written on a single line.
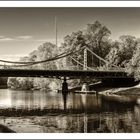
{"points": [[65, 93], [65, 99]]}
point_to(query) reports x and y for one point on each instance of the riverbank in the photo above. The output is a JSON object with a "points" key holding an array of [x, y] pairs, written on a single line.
{"points": [[122, 95], [135, 90], [106, 87]]}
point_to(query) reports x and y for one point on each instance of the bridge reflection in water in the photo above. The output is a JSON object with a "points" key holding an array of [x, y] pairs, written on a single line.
{"points": [[82, 113], [30, 100]]}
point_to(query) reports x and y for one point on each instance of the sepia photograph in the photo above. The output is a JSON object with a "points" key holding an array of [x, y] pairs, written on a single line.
{"points": [[69, 70]]}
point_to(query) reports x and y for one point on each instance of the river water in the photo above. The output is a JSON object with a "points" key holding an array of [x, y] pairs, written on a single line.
{"points": [[40, 111]]}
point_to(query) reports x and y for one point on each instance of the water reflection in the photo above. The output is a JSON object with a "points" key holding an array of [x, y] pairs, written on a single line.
{"points": [[91, 123], [41, 100], [66, 112], [65, 96]]}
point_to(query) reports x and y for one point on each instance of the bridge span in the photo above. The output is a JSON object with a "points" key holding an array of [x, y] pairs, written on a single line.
{"points": [[116, 73], [72, 74]]}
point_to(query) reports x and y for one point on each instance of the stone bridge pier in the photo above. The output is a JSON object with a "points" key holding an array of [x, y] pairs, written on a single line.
{"points": [[64, 86]]}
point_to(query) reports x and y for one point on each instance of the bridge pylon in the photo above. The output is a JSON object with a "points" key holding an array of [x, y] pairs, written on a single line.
{"points": [[85, 59], [85, 85], [65, 91]]}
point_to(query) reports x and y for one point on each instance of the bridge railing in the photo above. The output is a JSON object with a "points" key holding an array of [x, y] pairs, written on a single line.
{"points": [[108, 69]]}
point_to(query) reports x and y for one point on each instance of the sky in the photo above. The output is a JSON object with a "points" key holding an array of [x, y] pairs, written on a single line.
{"points": [[22, 30]]}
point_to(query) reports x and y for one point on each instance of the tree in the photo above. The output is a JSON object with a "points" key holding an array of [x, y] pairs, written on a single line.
{"points": [[133, 67], [95, 37], [44, 51], [122, 51]]}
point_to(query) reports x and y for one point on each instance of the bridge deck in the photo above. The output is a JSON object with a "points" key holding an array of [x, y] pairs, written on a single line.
{"points": [[63, 73]]}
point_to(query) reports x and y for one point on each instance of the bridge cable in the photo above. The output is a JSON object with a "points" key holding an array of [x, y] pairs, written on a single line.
{"points": [[80, 63], [62, 55], [18, 62], [100, 58]]}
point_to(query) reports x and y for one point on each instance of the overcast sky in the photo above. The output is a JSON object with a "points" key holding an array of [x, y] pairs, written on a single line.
{"points": [[22, 30]]}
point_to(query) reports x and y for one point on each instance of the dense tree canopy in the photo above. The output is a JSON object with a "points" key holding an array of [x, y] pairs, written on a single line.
{"points": [[122, 51], [45, 51], [95, 37]]}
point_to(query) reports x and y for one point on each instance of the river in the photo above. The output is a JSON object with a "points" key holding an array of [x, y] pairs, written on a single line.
{"points": [[40, 111]]}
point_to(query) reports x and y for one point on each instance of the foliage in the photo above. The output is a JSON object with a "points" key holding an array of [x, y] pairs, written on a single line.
{"points": [[95, 37], [133, 67], [44, 51], [122, 51], [20, 83]]}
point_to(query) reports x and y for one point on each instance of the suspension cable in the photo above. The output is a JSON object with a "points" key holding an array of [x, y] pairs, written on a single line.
{"points": [[100, 58], [80, 63], [64, 54], [50, 59], [18, 62], [59, 56]]}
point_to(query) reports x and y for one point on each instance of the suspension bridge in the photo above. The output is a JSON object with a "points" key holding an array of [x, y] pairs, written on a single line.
{"points": [[14, 68]]}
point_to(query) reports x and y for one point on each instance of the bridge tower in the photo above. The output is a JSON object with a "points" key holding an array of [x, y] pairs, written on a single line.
{"points": [[85, 86], [85, 59]]}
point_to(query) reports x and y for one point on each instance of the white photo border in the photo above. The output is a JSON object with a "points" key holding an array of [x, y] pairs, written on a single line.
{"points": [[70, 4]]}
